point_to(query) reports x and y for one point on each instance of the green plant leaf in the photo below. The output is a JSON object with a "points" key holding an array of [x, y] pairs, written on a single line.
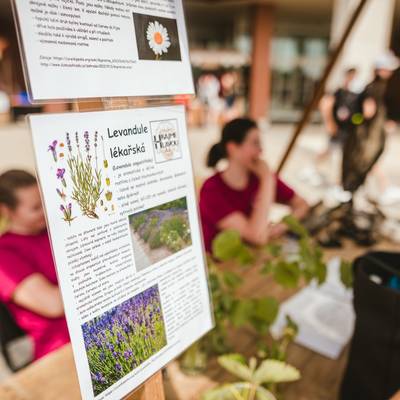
{"points": [[287, 274], [233, 363], [266, 309], [346, 274], [274, 249], [231, 279], [267, 268], [241, 390], [273, 371], [291, 329], [244, 256], [295, 226], [227, 245], [241, 312]]}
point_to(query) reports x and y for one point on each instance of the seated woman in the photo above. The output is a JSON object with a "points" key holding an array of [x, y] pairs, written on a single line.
{"points": [[28, 281], [241, 196]]}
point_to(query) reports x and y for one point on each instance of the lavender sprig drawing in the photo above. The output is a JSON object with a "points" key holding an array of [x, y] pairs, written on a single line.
{"points": [[60, 175], [86, 179], [53, 148], [67, 212]]}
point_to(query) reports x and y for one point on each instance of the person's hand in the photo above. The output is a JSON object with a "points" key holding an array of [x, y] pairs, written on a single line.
{"points": [[261, 169], [396, 396], [277, 230]]}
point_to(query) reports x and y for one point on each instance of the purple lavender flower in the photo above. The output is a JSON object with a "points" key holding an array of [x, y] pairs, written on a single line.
{"points": [[87, 143], [69, 145], [53, 149], [61, 193], [60, 176], [121, 339]]}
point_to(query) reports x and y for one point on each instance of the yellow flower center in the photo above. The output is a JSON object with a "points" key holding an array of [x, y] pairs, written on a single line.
{"points": [[158, 38]]}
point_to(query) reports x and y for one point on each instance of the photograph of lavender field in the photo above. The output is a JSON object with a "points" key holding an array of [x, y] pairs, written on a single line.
{"points": [[123, 338], [160, 232]]}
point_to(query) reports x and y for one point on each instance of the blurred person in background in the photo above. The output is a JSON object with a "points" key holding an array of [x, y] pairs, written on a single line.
{"points": [[229, 92], [240, 197], [365, 145], [337, 110], [208, 88], [28, 281]]}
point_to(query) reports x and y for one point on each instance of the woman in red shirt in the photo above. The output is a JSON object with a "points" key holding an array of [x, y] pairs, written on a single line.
{"points": [[28, 281], [240, 197]]}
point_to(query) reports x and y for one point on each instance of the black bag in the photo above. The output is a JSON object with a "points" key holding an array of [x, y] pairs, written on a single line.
{"points": [[373, 370]]}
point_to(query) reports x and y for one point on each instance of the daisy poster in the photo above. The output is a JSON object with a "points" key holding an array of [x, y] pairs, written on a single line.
{"points": [[157, 38], [93, 49]]}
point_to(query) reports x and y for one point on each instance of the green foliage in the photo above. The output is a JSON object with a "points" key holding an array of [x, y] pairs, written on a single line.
{"points": [[228, 245], [346, 274], [252, 378], [175, 204], [287, 274], [175, 233], [146, 234], [154, 221], [155, 240], [273, 249], [138, 221], [295, 226]]}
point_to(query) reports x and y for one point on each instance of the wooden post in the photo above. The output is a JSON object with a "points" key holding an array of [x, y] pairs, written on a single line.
{"points": [[319, 91], [260, 79], [153, 389]]}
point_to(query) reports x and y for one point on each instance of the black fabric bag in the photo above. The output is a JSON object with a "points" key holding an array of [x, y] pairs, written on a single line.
{"points": [[373, 370]]}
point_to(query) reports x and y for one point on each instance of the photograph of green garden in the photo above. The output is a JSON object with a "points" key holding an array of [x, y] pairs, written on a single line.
{"points": [[160, 232]]}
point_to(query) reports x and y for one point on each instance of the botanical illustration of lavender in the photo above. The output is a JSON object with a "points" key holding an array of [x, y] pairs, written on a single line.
{"points": [[65, 208], [121, 339], [86, 178], [53, 149]]}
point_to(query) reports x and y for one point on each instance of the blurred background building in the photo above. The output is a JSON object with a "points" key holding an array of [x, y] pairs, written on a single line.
{"points": [[263, 56]]}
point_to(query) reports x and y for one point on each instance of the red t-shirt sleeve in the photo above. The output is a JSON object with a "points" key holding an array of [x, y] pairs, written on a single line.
{"points": [[284, 193], [13, 270], [214, 206]]}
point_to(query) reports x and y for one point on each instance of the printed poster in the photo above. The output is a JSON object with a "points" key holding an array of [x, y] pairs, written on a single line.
{"points": [[122, 214], [76, 49]]}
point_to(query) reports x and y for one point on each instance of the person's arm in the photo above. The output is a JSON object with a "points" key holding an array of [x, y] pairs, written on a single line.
{"points": [[369, 108], [37, 294], [255, 228], [299, 209], [326, 109]]}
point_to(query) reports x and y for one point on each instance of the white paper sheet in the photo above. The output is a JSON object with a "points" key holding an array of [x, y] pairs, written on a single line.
{"points": [[122, 213], [324, 315], [105, 48]]}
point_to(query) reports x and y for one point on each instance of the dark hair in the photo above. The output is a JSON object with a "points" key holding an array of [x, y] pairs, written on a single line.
{"points": [[350, 71], [10, 182], [234, 131]]}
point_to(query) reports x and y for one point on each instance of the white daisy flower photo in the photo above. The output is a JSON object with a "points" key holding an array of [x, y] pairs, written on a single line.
{"points": [[158, 38]]}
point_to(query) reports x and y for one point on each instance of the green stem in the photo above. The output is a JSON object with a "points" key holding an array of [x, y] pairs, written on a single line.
{"points": [[235, 393]]}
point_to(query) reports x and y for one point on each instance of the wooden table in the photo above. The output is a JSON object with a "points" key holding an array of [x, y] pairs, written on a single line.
{"points": [[54, 377]]}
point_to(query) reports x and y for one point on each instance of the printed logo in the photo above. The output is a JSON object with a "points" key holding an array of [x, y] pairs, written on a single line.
{"points": [[165, 137]]}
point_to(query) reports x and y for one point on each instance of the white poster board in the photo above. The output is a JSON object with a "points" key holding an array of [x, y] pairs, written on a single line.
{"points": [[75, 49], [122, 214]]}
